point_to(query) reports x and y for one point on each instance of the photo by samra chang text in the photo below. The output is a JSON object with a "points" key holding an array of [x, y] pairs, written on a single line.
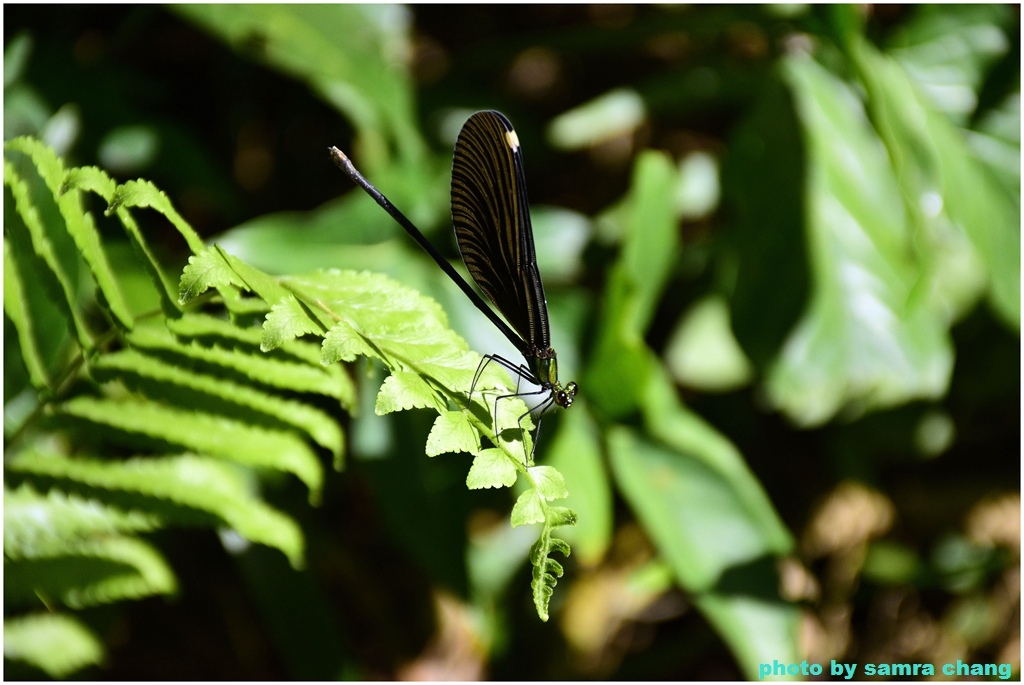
{"points": [[960, 669]]}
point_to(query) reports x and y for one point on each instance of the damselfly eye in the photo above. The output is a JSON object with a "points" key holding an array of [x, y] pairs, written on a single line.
{"points": [[564, 398]]}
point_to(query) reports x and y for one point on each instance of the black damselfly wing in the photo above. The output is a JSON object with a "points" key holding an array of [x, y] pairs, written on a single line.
{"points": [[491, 215]]}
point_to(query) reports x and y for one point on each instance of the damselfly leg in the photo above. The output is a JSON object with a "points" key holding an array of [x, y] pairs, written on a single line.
{"points": [[521, 372]]}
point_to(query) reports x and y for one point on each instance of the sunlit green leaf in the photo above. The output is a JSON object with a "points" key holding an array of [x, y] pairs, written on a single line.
{"points": [[527, 509], [491, 469], [452, 432], [949, 194], [651, 247], [867, 339], [702, 352], [549, 482], [947, 51]]}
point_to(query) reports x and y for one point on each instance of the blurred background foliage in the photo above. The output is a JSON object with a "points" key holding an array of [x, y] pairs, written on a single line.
{"points": [[781, 249]]}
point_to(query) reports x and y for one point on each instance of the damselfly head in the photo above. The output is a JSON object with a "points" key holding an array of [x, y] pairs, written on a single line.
{"points": [[564, 396]]}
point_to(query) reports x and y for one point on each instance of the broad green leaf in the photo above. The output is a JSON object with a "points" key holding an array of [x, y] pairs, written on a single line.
{"points": [[615, 113], [948, 49], [193, 482], [683, 431], [867, 339], [996, 142], [130, 148], [703, 527], [494, 556], [16, 57], [651, 247], [698, 189], [949, 194], [561, 236], [491, 468], [697, 520], [57, 644], [702, 352], [351, 231], [766, 266], [219, 436], [758, 630]]}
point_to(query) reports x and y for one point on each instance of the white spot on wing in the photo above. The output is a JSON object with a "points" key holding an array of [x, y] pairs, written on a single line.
{"points": [[513, 139]]}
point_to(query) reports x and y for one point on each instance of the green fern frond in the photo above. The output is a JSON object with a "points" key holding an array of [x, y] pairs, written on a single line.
{"points": [[57, 644], [34, 522], [79, 224], [431, 367], [452, 432], [17, 308], [239, 399], [532, 507], [175, 489], [149, 423], [283, 374], [546, 571], [204, 392], [75, 551], [137, 194], [144, 194], [90, 572], [34, 250], [181, 382]]}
